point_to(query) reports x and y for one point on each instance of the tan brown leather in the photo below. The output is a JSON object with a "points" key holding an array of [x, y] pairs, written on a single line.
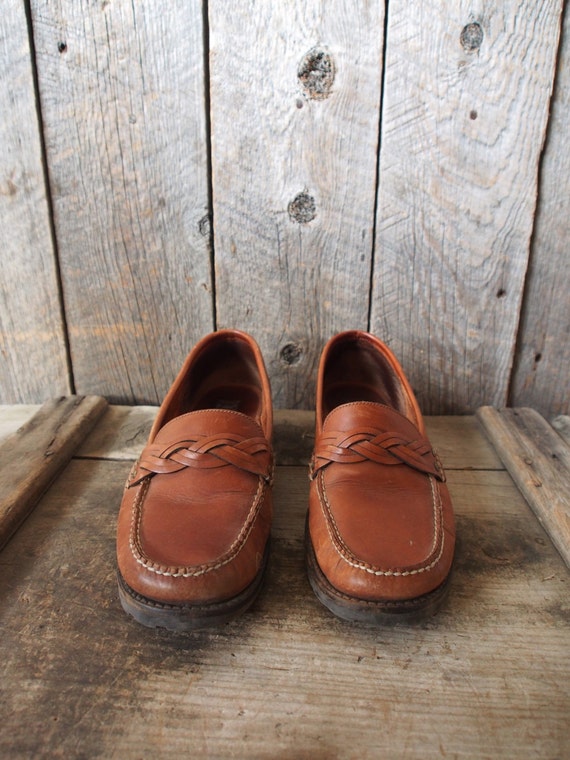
{"points": [[195, 517], [381, 531]]}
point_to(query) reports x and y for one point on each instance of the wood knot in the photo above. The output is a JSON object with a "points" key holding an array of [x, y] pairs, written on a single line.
{"points": [[291, 353], [205, 226], [316, 73], [302, 208], [471, 37]]}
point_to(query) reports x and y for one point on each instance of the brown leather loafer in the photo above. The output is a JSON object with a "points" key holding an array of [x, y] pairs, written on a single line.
{"points": [[380, 529], [193, 528]]}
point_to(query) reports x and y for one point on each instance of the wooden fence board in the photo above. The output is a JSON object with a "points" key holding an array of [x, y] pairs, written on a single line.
{"points": [[538, 460], [541, 376], [295, 114], [122, 93], [33, 456], [295, 109], [32, 342], [465, 108]]}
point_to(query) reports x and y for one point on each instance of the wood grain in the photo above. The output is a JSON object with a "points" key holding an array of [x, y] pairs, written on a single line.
{"points": [[32, 341], [34, 455], [538, 460], [561, 424], [487, 677], [295, 107], [540, 379], [121, 433], [465, 108], [122, 94], [439, 261], [13, 416]]}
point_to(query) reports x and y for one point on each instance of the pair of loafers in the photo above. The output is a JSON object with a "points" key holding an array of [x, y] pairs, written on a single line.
{"points": [[195, 519]]}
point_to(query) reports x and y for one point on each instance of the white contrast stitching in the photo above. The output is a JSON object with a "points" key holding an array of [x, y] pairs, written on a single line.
{"points": [[344, 552], [190, 572]]}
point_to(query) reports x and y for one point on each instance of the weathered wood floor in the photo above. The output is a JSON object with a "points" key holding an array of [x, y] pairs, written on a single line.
{"points": [[488, 677]]}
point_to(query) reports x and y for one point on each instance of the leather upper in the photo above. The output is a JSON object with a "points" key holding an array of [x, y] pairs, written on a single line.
{"points": [[196, 510], [380, 517]]}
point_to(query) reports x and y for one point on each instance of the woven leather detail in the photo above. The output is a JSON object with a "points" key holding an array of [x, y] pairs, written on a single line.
{"points": [[206, 452], [377, 446]]}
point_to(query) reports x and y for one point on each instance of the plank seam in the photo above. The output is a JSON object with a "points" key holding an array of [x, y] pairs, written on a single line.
{"points": [[209, 160], [49, 199], [517, 360], [377, 180]]}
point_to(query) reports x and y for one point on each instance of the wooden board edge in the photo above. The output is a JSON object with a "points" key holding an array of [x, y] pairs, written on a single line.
{"points": [[541, 472], [33, 456]]}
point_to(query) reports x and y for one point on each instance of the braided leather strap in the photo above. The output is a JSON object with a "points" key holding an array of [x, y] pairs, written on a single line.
{"points": [[377, 446], [207, 451]]}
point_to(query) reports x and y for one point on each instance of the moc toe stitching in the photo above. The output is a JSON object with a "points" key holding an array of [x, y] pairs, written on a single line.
{"points": [[430, 563], [198, 570]]}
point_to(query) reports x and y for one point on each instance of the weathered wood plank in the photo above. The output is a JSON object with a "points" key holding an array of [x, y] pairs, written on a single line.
{"points": [[465, 108], [538, 460], [460, 445], [121, 433], [31, 458], [488, 677], [540, 378], [32, 343], [295, 107], [122, 93]]}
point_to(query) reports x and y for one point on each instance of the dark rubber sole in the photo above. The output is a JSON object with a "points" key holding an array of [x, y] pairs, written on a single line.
{"points": [[381, 612], [188, 617]]}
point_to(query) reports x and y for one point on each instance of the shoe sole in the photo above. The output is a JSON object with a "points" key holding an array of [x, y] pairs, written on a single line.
{"points": [[188, 617], [381, 612]]}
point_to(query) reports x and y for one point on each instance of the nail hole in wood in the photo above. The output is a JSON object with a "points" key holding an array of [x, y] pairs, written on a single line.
{"points": [[62, 47], [291, 354], [537, 357], [302, 208], [501, 293], [316, 73], [471, 37]]}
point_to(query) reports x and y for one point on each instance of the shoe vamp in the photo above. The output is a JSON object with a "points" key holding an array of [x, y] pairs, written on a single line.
{"points": [[386, 516], [194, 517]]}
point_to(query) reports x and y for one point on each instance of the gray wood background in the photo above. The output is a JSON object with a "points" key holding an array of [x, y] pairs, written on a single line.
{"points": [[291, 169]]}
